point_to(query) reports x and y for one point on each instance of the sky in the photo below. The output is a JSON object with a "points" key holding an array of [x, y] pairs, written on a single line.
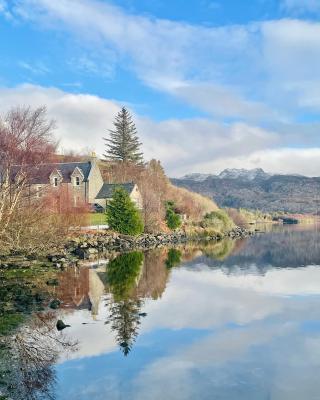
{"points": [[211, 84]]}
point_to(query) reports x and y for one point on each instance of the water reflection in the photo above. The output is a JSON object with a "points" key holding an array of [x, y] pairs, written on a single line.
{"points": [[29, 342], [122, 277], [228, 320]]}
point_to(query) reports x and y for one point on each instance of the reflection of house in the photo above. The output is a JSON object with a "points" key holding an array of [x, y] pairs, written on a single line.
{"points": [[73, 288], [80, 289], [106, 192]]}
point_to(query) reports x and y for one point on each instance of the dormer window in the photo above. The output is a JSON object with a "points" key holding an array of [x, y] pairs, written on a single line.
{"points": [[55, 178], [39, 191], [77, 177]]}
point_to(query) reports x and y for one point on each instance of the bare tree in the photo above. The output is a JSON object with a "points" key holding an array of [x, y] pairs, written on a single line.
{"points": [[25, 142]]}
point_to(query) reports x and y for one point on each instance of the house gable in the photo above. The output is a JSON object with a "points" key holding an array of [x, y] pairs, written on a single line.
{"points": [[77, 177], [55, 177], [106, 193]]}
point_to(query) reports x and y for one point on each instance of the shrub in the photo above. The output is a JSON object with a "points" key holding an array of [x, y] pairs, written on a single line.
{"points": [[122, 214], [219, 220], [173, 219]]}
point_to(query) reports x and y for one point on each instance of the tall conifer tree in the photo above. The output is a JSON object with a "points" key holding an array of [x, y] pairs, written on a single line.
{"points": [[123, 144]]}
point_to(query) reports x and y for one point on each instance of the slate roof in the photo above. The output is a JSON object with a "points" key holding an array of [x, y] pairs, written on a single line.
{"points": [[107, 189], [41, 173]]}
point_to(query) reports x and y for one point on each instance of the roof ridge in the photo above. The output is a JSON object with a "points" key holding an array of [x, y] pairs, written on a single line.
{"points": [[51, 163]]}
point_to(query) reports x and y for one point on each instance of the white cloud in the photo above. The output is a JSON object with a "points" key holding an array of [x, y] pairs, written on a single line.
{"points": [[196, 53], [4, 9], [38, 68], [184, 146], [301, 6], [82, 119], [234, 70], [305, 161]]}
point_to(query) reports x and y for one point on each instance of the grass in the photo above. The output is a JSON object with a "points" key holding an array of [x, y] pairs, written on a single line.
{"points": [[96, 219]]}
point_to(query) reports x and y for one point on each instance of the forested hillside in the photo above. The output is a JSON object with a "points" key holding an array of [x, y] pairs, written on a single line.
{"points": [[290, 193]]}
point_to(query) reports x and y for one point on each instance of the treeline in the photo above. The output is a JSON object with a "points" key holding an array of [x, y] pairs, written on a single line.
{"points": [[163, 203]]}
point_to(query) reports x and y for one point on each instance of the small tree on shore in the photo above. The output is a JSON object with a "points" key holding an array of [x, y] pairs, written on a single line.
{"points": [[172, 218], [123, 144], [122, 214]]}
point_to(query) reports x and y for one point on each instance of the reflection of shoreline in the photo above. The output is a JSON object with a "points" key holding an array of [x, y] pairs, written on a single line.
{"points": [[290, 246], [246, 263]]}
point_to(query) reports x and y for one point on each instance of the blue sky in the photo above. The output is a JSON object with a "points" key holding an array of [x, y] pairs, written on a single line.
{"points": [[212, 84]]}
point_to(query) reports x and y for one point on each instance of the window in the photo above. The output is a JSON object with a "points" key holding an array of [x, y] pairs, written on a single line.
{"points": [[39, 191], [55, 182], [77, 181]]}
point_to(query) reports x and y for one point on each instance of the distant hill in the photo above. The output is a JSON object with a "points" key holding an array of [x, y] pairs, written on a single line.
{"points": [[256, 189]]}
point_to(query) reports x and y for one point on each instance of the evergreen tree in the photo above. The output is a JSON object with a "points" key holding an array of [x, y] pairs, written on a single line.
{"points": [[173, 219], [122, 214], [124, 144]]}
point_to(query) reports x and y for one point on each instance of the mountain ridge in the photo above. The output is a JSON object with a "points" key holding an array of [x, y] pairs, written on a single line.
{"points": [[256, 189], [236, 173]]}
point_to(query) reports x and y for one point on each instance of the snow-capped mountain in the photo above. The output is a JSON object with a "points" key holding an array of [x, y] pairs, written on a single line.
{"points": [[246, 174], [231, 173]]}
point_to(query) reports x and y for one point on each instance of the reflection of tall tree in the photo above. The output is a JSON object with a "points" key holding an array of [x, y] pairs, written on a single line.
{"points": [[125, 318], [122, 275]]}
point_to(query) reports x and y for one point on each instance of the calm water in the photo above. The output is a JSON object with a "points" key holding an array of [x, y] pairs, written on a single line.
{"points": [[233, 320]]}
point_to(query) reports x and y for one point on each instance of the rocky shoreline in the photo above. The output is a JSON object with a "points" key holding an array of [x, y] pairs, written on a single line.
{"points": [[90, 245]]}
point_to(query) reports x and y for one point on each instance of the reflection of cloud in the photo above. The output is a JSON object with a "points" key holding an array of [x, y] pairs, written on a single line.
{"points": [[217, 299], [272, 317], [241, 336], [220, 298], [230, 365], [94, 337]]}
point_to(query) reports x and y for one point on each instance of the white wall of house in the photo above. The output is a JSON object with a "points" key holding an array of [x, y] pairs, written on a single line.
{"points": [[136, 197], [95, 182]]}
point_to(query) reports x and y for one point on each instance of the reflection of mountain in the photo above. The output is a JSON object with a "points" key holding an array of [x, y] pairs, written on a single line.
{"points": [[287, 249]]}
